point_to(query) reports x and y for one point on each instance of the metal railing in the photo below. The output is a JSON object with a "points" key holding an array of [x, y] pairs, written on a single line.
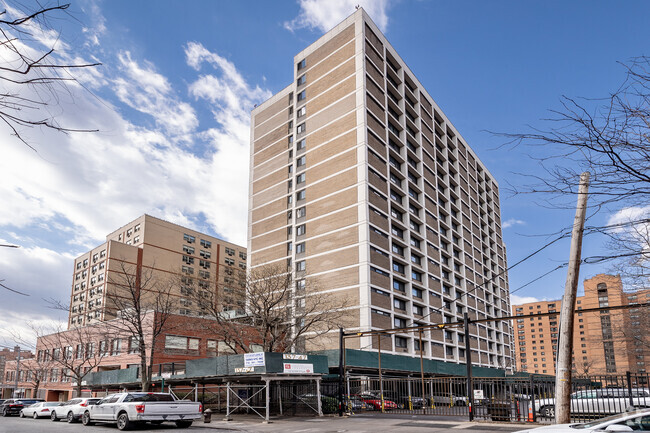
{"points": [[505, 399]]}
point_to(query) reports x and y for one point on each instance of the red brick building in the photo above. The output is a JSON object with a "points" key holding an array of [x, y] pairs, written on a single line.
{"points": [[102, 348]]}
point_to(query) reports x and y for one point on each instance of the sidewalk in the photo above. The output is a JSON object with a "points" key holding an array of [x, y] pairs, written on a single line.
{"points": [[358, 423]]}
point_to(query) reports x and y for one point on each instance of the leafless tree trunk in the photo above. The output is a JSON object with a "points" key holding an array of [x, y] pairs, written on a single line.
{"points": [[142, 302]]}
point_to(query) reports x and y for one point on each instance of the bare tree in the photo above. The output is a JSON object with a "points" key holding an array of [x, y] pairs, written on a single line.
{"points": [[270, 308], [36, 372], [610, 138], [32, 79], [75, 352], [143, 303]]}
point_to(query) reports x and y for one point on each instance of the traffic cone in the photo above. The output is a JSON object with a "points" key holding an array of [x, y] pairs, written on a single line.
{"points": [[530, 413]]}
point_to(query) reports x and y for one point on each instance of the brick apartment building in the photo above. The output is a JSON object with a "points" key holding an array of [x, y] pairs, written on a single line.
{"points": [[187, 262], [102, 349], [9, 354], [605, 342], [359, 181], [188, 259]]}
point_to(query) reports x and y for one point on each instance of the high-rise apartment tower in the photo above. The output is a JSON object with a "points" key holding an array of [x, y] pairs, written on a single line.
{"points": [[360, 181]]}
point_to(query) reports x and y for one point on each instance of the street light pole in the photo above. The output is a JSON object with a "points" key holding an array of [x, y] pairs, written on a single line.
{"points": [[17, 371]]}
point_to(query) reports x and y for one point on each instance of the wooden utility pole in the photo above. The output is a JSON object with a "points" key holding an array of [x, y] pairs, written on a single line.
{"points": [[565, 343]]}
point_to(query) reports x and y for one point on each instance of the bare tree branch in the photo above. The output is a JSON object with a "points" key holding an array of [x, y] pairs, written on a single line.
{"points": [[41, 74]]}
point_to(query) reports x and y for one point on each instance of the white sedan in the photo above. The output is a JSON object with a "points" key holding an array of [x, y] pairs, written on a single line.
{"points": [[638, 420], [37, 410]]}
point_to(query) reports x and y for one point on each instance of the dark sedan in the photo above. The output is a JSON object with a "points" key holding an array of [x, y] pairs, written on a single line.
{"points": [[13, 406]]}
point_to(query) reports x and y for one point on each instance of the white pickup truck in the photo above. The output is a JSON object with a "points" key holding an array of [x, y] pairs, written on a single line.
{"points": [[604, 401], [128, 409]]}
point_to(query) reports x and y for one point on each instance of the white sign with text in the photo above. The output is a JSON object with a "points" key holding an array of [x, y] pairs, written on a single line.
{"points": [[292, 367], [254, 359]]}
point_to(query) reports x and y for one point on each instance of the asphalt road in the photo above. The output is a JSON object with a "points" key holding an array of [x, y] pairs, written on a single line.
{"points": [[357, 424]]}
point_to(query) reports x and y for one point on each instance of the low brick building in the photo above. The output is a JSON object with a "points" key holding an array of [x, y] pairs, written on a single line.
{"points": [[102, 348]]}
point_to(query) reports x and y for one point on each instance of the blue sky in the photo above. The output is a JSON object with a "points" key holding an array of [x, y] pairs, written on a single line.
{"points": [[173, 96]]}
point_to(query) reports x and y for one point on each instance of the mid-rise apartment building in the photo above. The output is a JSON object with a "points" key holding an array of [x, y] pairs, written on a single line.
{"points": [[358, 180], [604, 342], [186, 259]]}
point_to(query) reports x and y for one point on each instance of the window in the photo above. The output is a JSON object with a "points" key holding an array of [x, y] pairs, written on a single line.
{"points": [[300, 230], [401, 342], [134, 343], [189, 260], [230, 251], [301, 80], [399, 304], [229, 261], [242, 255], [396, 231], [301, 144], [300, 178], [301, 128], [300, 195], [301, 64], [398, 267], [116, 346], [301, 111], [205, 254], [300, 248], [206, 244], [301, 161], [417, 276], [398, 250], [300, 266], [300, 212], [418, 310], [415, 242], [399, 286], [396, 196], [301, 96], [417, 293], [204, 264], [189, 238], [398, 322], [187, 270]]}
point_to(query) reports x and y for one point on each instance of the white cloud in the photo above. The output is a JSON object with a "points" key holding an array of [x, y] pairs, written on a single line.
{"points": [[149, 92], [81, 186], [42, 274], [629, 214], [325, 14], [518, 300], [512, 222]]}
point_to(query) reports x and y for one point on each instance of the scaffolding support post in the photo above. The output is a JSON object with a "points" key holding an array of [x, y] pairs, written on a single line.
{"points": [[468, 361]]}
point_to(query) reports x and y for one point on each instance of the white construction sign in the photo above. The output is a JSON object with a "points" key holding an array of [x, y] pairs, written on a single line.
{"points": [[254, 359], [292, 367]]}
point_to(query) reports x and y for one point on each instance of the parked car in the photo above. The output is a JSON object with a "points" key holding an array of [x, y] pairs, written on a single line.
{"points": [[38, 410], [373, 400], [13, 406], [72, 410], [355, 404], [402, 400], [444, 398], [127, 409], [597, 401], [626, 421]]}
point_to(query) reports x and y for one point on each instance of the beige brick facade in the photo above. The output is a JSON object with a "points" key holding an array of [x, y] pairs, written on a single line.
{"points": [[381, 201], [167, 251]]}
